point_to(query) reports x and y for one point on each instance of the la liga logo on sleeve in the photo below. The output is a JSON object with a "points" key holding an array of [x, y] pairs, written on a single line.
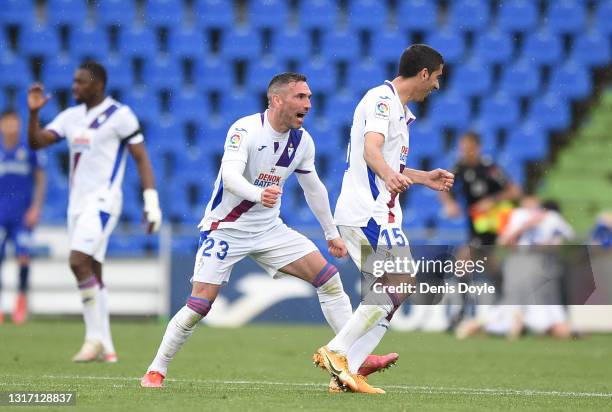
{"points": [[382, 110], [233, 142]]}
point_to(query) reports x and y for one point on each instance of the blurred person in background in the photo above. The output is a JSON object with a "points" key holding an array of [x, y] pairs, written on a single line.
{"points": [[531, 274], [601, 234], [99, 131], [22, 191]]}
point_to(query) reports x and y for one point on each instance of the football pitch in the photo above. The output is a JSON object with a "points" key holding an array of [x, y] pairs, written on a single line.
{"points": [[268, 367]]}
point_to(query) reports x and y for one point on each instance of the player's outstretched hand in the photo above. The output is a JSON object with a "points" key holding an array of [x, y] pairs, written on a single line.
{"points": [[336, 247], [37, 97], [152, 212], [270, 195], [397, 182], [31, 217], [440, 180]]}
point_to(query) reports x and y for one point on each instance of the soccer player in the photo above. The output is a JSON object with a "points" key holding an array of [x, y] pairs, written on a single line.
{"points": [[22, 190], [99, 130], [242, 217], [368, 212]]}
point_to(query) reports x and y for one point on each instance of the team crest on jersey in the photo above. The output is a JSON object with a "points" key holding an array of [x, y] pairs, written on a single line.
{"points": [[290, 149], [234, 141], [382, 110]]}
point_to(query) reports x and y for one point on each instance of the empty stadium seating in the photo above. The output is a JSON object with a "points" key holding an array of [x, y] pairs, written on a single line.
{"points": [[188, 69]]}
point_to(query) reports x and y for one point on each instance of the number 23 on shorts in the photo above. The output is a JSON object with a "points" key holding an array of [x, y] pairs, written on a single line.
{"points": [[208, 248]]}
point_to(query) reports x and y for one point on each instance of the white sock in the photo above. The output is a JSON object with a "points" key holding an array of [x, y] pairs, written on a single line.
{"points": [[365, 345], [180, 327], [90, 294], [335, 303], [107, 339], [364, 319]]}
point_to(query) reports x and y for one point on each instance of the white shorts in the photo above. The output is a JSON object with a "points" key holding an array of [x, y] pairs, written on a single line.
{"points": [[273, 249], [89, 232], [537, 319], [380, 242]]}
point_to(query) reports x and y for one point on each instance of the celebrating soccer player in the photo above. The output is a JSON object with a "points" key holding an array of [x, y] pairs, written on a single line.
{"points": [[99, 131], [368, 212]]}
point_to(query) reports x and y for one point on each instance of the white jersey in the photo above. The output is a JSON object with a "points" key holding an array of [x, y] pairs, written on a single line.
{"points": [[552, 230], [363, 195], [97, 139], [270, 159]]}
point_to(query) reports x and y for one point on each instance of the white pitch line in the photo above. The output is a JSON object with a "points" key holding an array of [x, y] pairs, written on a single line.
{"points": [[403, 388]]}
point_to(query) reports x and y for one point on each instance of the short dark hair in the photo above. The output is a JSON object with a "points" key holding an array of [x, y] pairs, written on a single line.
{"points": [[98, 72], [418, 57], [550, 204], [471, 135], [283, 79], [9, 111]]}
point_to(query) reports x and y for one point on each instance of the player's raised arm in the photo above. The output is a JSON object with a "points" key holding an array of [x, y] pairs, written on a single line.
{"points": [[152, 212], [37, 137], [438, 179], [372, 154]]}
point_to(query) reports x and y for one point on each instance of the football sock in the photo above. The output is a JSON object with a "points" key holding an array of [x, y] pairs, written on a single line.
{"points": [[365, 345], [180, 327], [364, 319], [90, 293], [335, 303], [107, 339], [24, 273]]}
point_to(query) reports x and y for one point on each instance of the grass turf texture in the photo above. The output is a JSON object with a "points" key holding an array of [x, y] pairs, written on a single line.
{"points": [[269, 368]]}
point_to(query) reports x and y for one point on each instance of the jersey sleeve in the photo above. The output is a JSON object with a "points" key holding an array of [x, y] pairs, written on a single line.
{"points": [[128, 127], [236, 143], [58, 125], [307, 164], [377, 113]]}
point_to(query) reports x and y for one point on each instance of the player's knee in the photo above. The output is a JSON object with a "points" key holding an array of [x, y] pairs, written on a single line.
{"points": [[325, 275], [198, 305]]}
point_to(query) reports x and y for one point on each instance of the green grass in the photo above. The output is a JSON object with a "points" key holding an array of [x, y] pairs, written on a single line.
{"points": [[269, 368]]}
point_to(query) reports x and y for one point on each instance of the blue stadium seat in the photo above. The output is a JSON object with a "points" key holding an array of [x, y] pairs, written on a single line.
{"points": [[5, 46], [260, 72], [471, 79], [542, 48], [187, 43], [66, 12], [15, 72], [325, 136], [341, 106], [517, 15], [584, 46], [365, 75], [145, 104], [450, 110], [425, 141], [449, 43], [119, 73], [493, 47], [290, 44], [417, 15], [387, 45], [214, 134], [570, 80], [240, 43], [318, 14], [18, 12], [164, 13], [367, 15], [213, 75], [138, 43], [163, 74], [39, 42], [268, 14], [603, 18], [217, 14], [58, 73], [520, 80], [340, 45], [550, 112], [469, 15], [514, 166], [86, 42], [499, 112], [189, 106], [527, 142], [116, 13], [239, 104], [321, 74], [567, 17]]}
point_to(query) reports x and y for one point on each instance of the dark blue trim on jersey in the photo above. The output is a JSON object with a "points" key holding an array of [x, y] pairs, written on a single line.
{"points": [[218, 196], [372, 233], [118, 159], [302, 172], [262, 118], [373, 187], [106, 113], [388, 83], [104, 216], [295, 137]]}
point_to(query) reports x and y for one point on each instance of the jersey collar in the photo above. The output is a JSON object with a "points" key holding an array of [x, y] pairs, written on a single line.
{"points": [[410, 117], [269, 129]]}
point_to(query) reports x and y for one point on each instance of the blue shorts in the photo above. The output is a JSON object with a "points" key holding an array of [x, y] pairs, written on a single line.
{"points": [[19, 235]]}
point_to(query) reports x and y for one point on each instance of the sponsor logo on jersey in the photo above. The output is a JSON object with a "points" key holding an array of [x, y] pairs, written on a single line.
{"points": [[266, 179], [382, 110], [404, 155], [81, 143]]}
